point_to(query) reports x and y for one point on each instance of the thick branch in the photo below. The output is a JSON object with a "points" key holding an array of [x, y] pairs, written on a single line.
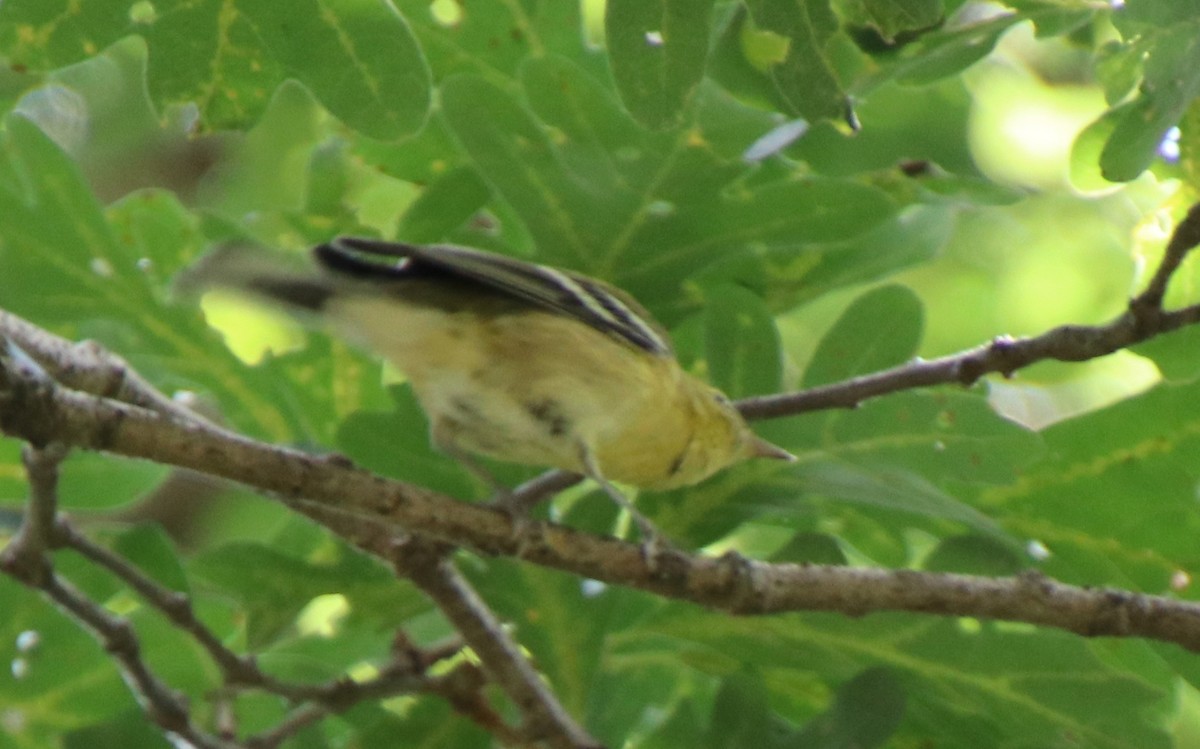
{"points": [[88, 367], [545, 717], [728, 583]]}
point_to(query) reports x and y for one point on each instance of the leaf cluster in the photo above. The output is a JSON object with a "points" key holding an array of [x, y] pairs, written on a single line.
{"points": [[789, 186]]}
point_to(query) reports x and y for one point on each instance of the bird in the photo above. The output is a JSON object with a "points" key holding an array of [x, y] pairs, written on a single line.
{"points": [[511, 360]]}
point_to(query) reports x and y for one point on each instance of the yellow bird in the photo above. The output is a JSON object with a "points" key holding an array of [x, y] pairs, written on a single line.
{"points": [[512, 360]]}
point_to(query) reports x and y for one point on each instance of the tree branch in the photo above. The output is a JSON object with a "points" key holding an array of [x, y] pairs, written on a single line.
{"points": [[545, 718], [1144, 318], [41, 401], [427, 564], [729, 583], [26, 558]]}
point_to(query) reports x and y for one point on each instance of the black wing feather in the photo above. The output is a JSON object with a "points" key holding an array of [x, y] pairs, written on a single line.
{"points": [[585, 299]]}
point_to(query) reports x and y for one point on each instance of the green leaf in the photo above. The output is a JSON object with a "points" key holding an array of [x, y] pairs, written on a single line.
{"points": [[891, 18], [359, 58], [681, 729], [58, 678], [128, 729], [443, 206], [90, 481], [946, 53], [1081, 499], [493, 40], [810, 548], [1174, 355], [149, 548], [1154, 15], [974, 555], [975, 686], [272, 587], [866, 713], [558, 619], [806, 76], [1171, 81], [740, 715], [45, 35], [896, 490], [881, 329], [215, 59], [13, 485], [950, 437], [657, 50], [742, 343], [396, 443]]}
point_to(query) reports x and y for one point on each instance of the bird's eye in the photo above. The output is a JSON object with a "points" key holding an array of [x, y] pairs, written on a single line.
{"points": [[720, 398]]}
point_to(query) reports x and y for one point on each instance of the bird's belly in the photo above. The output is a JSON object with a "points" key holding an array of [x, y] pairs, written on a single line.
{"points": [[490, 422]]}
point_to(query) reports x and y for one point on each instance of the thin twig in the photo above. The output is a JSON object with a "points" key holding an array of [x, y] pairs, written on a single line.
{"points": [[1184, 238], [1143, 319], [26, 558], [428, 564], [295, 722]]}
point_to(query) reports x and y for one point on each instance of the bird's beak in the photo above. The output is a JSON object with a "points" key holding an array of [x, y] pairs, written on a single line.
{"points": [[760, 448]]}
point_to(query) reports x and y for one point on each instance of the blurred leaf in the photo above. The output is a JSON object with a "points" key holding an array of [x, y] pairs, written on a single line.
{"points": [[359, 58], [681, 729], [1171, 81], [786, 276], [880, 330], [558, 619], [974, 555], [396, 443], [741, 342], [43, 35], [896, 490], [62, 666], [90, 481], [272, 587], [810, 548], [150, 549], [1174, 355], [428, 724], [891, 18], [806, 77], [866, 712], [443, 206], [13, 487], [494, 39], [650, 218], [740, 715], [996, 688], [1119, 67], [946, 53], [657, 49], [952, 437], [129, 729]]}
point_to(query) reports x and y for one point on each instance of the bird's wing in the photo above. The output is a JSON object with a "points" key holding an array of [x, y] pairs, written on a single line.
{"points": [[588, 300]]}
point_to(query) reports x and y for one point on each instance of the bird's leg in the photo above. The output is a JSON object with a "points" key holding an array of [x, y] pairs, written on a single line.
{"points": [[502, 498], [653, 542]]}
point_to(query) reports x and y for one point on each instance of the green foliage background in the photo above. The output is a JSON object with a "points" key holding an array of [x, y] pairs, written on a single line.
{"points": [[648, 143]]}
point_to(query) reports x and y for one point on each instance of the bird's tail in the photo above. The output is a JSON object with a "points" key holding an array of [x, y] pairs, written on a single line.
{"points": [[268, 276]]}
